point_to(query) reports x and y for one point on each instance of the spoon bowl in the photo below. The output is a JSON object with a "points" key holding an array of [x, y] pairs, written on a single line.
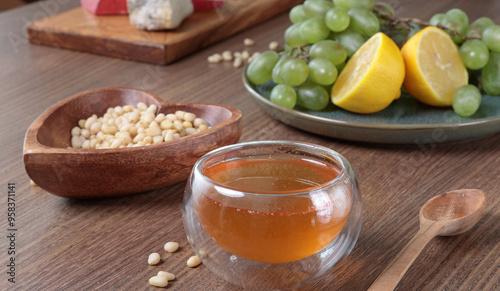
{"points": [[448, 214], [457, 211], [95, 173]]}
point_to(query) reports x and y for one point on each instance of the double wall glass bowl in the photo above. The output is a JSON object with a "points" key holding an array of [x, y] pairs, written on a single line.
{"points": [[269, 240]]}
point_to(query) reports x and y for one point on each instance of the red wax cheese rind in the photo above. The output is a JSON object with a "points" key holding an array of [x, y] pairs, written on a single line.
{"points": [[105, 7], [200, 5]]}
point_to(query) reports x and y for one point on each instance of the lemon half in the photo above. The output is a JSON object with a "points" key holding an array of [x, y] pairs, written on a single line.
{"points": [[434, 69], [372, 78]]}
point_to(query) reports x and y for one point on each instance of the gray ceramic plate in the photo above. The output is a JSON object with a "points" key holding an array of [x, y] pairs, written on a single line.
{"points": [[405, 121]]}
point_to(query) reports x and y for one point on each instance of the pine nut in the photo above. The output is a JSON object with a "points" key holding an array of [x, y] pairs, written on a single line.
{"points": [[227, 56], [245, 55], [253, 56], [274, 45], [158, 281], [193, 261], [154, 259], [76, 131], [248, 42], [169, 276], [215, 58], [237, 63], [171, 247]]}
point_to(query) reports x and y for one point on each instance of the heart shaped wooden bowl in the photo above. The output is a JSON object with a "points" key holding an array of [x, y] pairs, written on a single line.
{"points": [[95, 173]]}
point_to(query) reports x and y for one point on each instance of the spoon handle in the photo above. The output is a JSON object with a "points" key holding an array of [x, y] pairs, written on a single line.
{"points": [[393, 273]]}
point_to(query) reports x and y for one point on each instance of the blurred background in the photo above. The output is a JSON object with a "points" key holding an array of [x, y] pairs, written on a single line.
{"points": [[10, 4]]}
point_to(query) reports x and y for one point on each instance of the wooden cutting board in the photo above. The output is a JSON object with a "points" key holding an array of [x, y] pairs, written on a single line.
{"points": [[113, 35]]}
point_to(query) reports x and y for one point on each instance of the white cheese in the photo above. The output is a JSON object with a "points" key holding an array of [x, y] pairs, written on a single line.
{"points": [[158, 14]]}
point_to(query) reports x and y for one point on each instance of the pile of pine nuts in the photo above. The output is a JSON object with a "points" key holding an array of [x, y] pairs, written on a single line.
{"points": [[128, 126], [238, 58], [163, 277]]}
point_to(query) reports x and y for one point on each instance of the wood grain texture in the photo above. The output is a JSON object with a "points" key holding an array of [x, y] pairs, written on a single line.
{"points": [[114, 36], [103, 244], [447, 214]]}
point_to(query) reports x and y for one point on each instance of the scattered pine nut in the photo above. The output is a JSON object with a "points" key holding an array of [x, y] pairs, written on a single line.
{"points": [[32, 183], [215, 58], [252, 57], [158, 281], [274, 45], [169, 276], [154, 259], [171, 246], [227, 56], [245, 55], [193, 261], [203, 254], [248, 42], [237, 63]]}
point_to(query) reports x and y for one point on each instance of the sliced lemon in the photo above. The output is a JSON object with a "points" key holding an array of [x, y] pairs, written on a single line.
{"points": [[434, 69], [372, 78]]}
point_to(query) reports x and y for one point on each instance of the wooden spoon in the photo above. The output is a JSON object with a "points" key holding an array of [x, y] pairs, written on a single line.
{"points": [[447, 214]]}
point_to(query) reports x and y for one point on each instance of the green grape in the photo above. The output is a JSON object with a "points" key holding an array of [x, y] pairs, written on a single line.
{"points": [[477, 27], [276, 75], [363, 21], [261, 68], [456, 20], [460, 18], [474, 54], [297, 14], [284, 95], [314, 8], [384, 9], [490, 75], [437, 19], [348, 4], [337, 19], [466, 100], [491, 37], [329, 50], [313, 30], [454, 26], [322, 71], [350, 40], [312, 96], [294, 72], [482, 22], [292, 35]]}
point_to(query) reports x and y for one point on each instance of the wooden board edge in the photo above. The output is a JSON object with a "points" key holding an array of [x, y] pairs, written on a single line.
{"points": [[144, 52]]}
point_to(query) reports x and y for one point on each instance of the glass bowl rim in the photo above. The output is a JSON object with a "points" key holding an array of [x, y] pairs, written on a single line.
{"points": [[332, 154]]}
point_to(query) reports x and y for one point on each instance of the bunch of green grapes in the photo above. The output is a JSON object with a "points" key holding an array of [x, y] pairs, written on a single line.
{"points": [[479, 47], [323, 35]]}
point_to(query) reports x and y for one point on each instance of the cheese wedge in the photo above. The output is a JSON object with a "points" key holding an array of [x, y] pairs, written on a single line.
{"points": [[158, 14]]}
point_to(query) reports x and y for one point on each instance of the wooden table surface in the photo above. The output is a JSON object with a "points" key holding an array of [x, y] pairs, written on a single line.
{"points": [[103, 244]]}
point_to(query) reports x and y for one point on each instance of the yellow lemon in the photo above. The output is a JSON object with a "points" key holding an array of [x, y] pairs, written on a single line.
{"points": [[434, 69], [372, 78]]}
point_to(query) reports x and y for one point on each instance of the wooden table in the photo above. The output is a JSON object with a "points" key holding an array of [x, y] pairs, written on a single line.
{"points": [[63, 244]]}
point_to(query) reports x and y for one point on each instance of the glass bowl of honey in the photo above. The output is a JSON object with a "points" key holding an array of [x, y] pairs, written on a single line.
{"points": [[271, 215]]}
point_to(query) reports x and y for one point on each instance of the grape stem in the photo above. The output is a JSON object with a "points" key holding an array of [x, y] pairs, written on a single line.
{"points": [[299, 52], [406, 22]]}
